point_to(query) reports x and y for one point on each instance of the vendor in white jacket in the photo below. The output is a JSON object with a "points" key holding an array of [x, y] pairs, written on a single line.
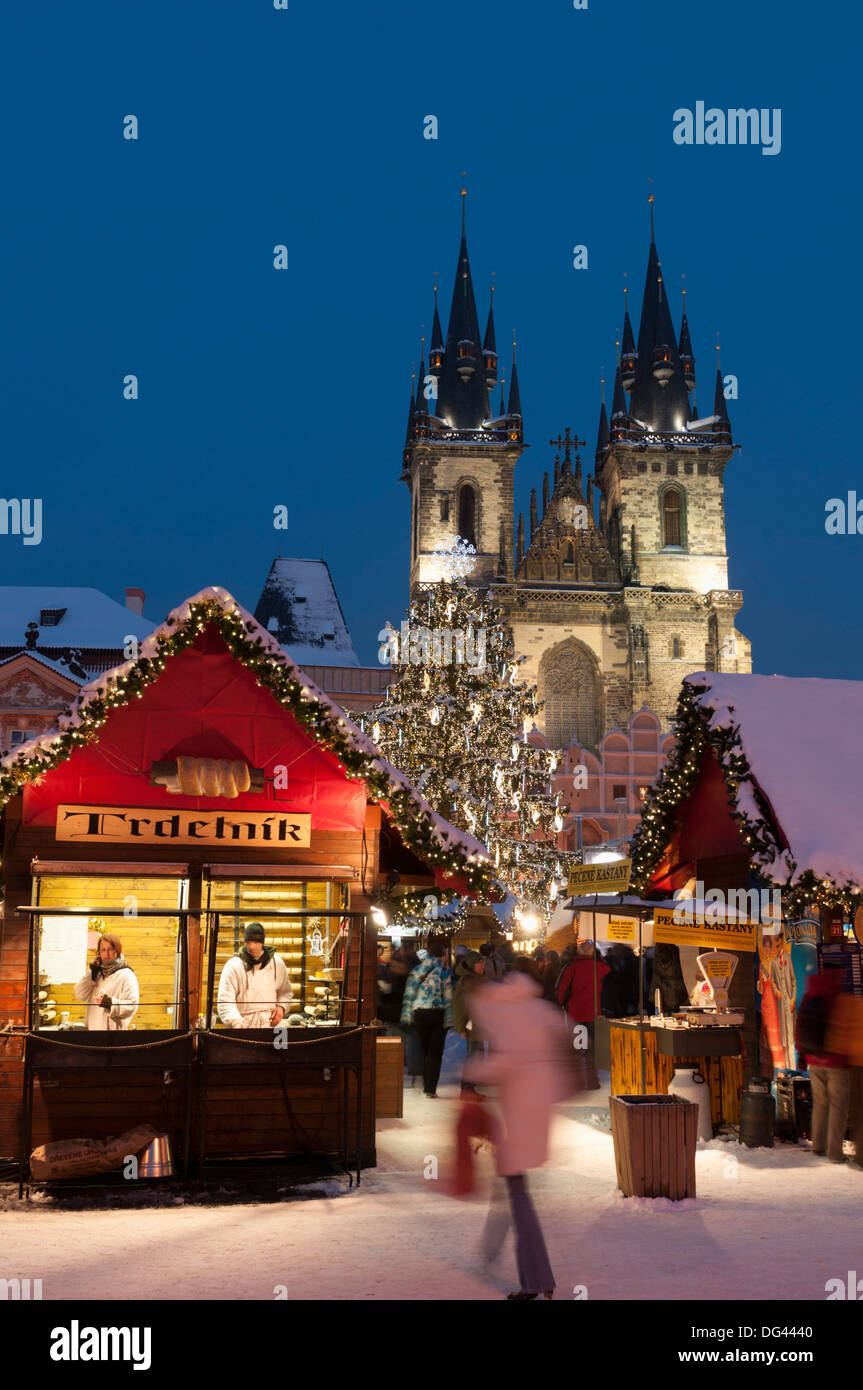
{"points": [[109, 988], [254, 989]]}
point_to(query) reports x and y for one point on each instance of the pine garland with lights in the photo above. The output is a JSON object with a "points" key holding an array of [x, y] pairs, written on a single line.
{"points": [[676, 783], [321, 720], [457, 729]]}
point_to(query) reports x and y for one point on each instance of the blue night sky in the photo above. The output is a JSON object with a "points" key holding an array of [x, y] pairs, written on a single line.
{"points": [[305, 127]]}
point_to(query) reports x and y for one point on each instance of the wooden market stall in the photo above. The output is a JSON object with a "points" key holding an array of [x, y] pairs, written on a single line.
{"points": [[757, 814], [204, 786]]}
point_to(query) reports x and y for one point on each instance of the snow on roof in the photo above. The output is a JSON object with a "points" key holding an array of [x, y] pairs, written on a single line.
{"points": [[803, 740], [90, 618], [449, 837], [299, 605], [59, 667]]}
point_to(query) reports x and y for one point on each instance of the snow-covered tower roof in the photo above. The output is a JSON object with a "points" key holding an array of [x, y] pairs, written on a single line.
{"points": [[299, 606]]}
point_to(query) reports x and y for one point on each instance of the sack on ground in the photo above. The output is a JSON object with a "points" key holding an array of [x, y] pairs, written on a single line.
{"points": [[73, 1158]]}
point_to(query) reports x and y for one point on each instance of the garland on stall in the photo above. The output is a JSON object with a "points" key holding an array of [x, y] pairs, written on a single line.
{"points": [[746, 804], [426, 834]]}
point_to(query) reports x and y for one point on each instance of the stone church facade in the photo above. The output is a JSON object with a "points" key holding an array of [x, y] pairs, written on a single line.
{"points": [[617, 585]]}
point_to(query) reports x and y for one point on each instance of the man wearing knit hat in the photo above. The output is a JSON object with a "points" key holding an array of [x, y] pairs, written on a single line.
{"points": [[254, 989]]}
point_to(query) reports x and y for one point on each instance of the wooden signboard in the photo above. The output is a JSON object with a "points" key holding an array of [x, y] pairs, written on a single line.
{"points": [[150, 825], [733, 936], [599, 878]]}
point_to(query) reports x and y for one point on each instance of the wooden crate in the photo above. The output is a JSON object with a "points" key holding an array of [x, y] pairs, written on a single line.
{"points": [[654, 1145], [389, 1079]]}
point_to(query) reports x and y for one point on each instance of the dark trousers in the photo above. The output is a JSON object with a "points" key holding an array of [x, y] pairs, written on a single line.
{"points": [[534, 1269], [432, 1035]]}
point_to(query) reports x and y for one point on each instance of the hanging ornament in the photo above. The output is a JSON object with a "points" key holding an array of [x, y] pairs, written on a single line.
{"points": [[514, 751], [434, 714], [558, 822], [376, 732]]}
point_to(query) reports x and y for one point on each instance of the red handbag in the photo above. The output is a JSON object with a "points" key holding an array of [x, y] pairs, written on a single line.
{"points": [[475, 1121]]}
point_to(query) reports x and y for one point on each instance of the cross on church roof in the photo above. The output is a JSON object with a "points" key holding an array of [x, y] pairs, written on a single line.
{"points": [[566, 443]]}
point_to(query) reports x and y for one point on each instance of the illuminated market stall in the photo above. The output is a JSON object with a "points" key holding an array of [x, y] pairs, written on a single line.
{"points": [[200, 807], [756, 817]]}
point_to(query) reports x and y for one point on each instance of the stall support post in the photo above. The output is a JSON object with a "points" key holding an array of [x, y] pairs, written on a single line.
{"points": [[641, 1001]]}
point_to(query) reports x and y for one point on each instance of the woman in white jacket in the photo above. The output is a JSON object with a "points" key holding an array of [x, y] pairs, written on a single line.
{"points": [[254, 988], [109, 988], [527, 1040]]}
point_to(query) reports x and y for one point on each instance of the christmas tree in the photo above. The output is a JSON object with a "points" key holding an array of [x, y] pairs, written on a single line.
{"points": [[456, 721]]}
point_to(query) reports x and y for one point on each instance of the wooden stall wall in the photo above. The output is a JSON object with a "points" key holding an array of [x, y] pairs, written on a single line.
{"points": [[63, 1105]]}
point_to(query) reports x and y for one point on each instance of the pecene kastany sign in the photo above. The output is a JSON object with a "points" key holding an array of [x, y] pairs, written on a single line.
{"points": [[682, 929], [599, 878], [149, 825]]}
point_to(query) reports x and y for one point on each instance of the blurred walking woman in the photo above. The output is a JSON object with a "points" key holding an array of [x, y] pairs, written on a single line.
{"points": [[109, 988]]}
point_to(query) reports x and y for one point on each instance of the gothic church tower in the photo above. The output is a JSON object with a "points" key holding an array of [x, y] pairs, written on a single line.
{"points": [[460, 453], [618, 586]]}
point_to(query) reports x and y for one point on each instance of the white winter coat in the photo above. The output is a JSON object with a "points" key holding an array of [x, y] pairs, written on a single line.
{"points": [[121, 988], [527, 1039], [247, 997]]}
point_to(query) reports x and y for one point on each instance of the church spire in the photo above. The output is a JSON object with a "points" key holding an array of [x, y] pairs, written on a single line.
{"points": [[463, 393], [659, 398], [687, 359], [436, 345], [602, 432], [719, 407], [628, 355], [489, 348], [619, 412], [421, 404], [514, 393]]}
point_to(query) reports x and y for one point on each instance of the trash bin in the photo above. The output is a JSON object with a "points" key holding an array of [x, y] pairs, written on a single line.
{"points": [[654, 1145], [757, 1114]]}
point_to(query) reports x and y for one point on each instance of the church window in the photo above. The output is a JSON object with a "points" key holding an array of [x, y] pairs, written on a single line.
{"points": [[676, 649], [642, 467], [702, 470], [618, 791], [687, 466], [672, 517], [569, 553], [444, 509], [416, 524], [467, 513]]}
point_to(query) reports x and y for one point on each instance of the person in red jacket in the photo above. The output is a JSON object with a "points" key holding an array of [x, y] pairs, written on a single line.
{"points": [[578, 992], [829, 1073]]}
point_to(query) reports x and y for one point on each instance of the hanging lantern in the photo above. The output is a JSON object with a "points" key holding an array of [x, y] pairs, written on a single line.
{"points": [[558, 822]]}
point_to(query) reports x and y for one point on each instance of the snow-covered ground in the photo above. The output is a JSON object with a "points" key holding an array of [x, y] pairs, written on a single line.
{"points": [[766, 1224]]}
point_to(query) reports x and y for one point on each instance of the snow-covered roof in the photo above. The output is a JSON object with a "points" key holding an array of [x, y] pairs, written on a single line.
{"points": [[59, 667], [300, 607], [803, 740], [88, 618], [448, 838]]}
